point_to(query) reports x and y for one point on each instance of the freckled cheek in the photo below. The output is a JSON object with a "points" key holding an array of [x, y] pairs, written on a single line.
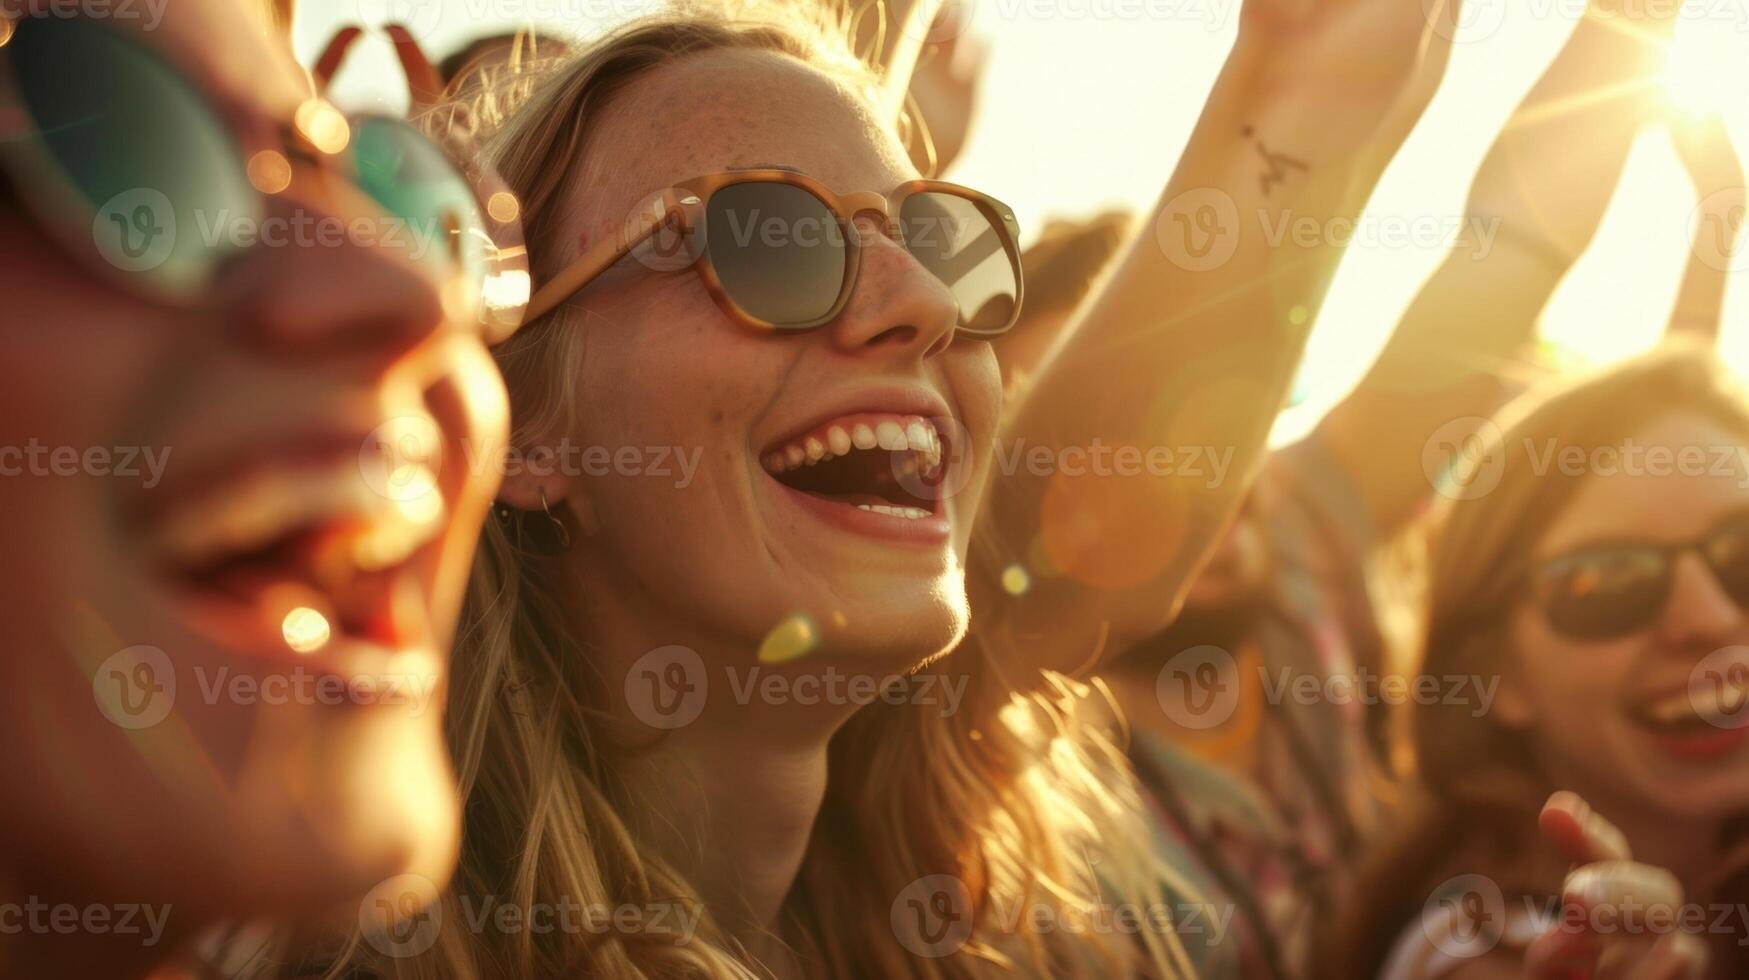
{"points": [[697, 399], [976, 384]]}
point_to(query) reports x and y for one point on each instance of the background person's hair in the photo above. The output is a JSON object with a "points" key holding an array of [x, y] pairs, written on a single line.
{"points": [[1067, 259], [1477, 788], [910, 792]]}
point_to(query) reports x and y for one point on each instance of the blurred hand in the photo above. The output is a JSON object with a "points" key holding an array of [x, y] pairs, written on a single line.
{"points": [[1608, 886]]}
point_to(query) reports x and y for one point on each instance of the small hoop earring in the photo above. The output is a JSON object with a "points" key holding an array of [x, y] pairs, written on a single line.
{"points": [[546, 535], [556, 526]]}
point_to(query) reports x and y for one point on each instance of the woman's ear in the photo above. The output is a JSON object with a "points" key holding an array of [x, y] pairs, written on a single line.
{"points": [[535, 482], [532, 482]]}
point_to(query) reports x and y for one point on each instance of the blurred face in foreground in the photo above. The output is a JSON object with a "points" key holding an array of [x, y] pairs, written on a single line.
{"points": [[791, 514], [1631, 664], [227, 624]]}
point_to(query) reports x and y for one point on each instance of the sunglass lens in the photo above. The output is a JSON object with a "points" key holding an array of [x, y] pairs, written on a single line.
{"points": [[431, 209], [1727, 551], [779, 252], [142, 157], [1605, 593], [968, 249]]}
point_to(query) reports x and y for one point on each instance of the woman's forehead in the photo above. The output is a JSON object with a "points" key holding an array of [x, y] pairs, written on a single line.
{"points": [[742, 109], [1671, 478]]}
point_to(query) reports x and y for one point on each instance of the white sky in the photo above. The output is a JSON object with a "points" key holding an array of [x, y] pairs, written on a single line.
{"points": [[1089, 102]]}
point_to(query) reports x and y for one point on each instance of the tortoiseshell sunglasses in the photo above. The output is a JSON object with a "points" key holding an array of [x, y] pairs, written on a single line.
{"points": [[779, 251]]}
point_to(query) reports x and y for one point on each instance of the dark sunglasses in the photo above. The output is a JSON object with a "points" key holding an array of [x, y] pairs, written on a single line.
{"points": [[129, 166], [778, 251], [1609, 590]]}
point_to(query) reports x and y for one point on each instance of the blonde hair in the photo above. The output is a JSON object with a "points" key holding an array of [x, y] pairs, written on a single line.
{"points": [[995, 795]]}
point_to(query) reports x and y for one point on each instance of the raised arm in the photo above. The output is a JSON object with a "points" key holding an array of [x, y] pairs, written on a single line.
{"points": [[1712, 164], [1533, 209], [1154, 407]]}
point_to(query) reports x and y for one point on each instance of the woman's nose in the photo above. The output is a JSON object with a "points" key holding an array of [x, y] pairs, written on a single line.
{"points": [[898, 309], [342, 279], [1699, 610]]}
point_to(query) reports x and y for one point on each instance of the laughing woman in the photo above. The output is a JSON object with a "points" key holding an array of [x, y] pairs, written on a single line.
{"points": [[656, 717], [202, 587]]}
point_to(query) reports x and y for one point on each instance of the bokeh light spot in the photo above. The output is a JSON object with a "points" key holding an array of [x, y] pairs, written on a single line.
{"points": [[269, 171], [305, 630], [503, 207], [323, 125], [791, 639]]}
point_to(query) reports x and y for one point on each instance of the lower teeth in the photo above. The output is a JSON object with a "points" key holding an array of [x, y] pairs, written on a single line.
{"points": [[909, 513]]}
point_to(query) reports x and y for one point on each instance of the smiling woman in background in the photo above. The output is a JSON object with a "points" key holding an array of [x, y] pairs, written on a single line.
{"points": [[186, 699], [1609, 597]]}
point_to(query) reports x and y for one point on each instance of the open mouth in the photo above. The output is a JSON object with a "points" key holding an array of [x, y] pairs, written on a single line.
{"points": [[306, 540], [1700, 719], [884, 463]]}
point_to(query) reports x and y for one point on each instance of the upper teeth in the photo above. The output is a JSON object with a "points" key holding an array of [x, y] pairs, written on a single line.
{"points": [[1713, 702], [910, 513], [250, 513], [893, 433]]}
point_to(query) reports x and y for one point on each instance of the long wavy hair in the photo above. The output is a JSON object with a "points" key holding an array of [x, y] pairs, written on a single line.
{"points": [[1015, 795], [1476, 785]]}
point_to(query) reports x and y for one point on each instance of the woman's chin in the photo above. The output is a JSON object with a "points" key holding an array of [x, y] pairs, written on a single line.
{"points": [[392, 811], [899, 638], [321, 847]]}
